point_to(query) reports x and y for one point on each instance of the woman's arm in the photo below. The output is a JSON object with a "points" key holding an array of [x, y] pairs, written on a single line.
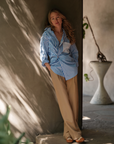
{"points": [[74, 53], [44, 51], [48, 66]]}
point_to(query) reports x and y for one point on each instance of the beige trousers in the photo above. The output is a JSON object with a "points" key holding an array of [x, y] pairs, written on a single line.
{"points": [[67, 96]]}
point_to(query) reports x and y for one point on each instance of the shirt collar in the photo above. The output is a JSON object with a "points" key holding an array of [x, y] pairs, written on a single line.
{"points": [[63, 36], [53, 34]]}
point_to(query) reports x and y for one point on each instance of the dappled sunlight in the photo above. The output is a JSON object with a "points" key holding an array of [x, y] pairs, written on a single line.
{"points": [[3, 14], [86, 118], [108, 143], [3, 107], [25, 21], [11, 85], [43, 140], [24, 83]]}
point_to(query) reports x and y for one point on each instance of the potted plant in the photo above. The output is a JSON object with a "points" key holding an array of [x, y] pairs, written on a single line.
{"points": [[100, 67]]}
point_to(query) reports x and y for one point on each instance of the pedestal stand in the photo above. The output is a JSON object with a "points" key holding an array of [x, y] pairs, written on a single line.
{"points": [[100, 96]]}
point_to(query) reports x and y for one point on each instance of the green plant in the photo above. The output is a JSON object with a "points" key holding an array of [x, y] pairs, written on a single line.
{"points": [[100, 56], [85, 26], [6, 136], [86, 77]]}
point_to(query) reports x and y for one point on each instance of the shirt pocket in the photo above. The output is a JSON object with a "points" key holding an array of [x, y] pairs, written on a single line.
{"points": [[66, 47]]}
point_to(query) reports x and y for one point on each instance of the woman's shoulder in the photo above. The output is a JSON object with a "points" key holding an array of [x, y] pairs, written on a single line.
{"points": [[47, 32], [47, 29]]}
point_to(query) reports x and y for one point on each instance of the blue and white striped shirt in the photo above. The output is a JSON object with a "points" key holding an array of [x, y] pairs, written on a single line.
{"points": [[62, 57]]}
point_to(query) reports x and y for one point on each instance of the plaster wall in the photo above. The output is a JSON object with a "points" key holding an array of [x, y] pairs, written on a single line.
{"points": [[24, 83], [101, 17]]}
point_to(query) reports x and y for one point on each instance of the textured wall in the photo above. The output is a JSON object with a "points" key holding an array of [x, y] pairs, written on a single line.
{"points": [[24, 83], [101, 16]]}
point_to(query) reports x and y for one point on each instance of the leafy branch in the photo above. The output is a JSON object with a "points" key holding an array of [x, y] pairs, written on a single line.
{"points": [[6, 136], [100, 56]]}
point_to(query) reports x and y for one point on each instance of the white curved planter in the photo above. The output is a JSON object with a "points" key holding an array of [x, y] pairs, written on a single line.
{"points": [[100, 96]]}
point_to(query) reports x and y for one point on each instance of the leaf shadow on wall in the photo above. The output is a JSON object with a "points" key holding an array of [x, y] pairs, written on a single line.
{"points": [[24, 83]]}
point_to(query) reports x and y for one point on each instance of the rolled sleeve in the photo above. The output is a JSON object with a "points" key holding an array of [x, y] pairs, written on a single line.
{"points": [[74, 53], [44, 50]]}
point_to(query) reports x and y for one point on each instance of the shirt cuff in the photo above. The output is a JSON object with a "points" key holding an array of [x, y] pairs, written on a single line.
{"points": [[43, 63]]}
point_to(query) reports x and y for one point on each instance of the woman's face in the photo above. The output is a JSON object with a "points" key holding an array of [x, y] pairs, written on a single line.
{"points": [[56, 20]]}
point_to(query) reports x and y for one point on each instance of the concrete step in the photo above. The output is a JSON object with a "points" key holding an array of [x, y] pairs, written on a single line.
{"points": [[51, 139]]}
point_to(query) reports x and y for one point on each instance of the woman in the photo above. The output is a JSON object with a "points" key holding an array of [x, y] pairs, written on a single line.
{"points": [[59, 54]]}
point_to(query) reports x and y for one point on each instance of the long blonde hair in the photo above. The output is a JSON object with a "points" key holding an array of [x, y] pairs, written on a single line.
{"points": [[65, 24]]}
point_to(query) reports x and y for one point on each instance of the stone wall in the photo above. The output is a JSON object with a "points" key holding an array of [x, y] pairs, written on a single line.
{"points": [[24, 83]]}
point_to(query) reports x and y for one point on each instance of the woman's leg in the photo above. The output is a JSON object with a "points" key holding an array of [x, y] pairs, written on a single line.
{"points": [[72, 89], [59, 84], [66, 133]]}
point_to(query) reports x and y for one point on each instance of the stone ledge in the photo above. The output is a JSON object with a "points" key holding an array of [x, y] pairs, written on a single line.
{"points": [[51, 139]]}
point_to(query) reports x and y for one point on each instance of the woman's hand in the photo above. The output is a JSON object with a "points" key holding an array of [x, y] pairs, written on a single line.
{"points": [[48, 66]]}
